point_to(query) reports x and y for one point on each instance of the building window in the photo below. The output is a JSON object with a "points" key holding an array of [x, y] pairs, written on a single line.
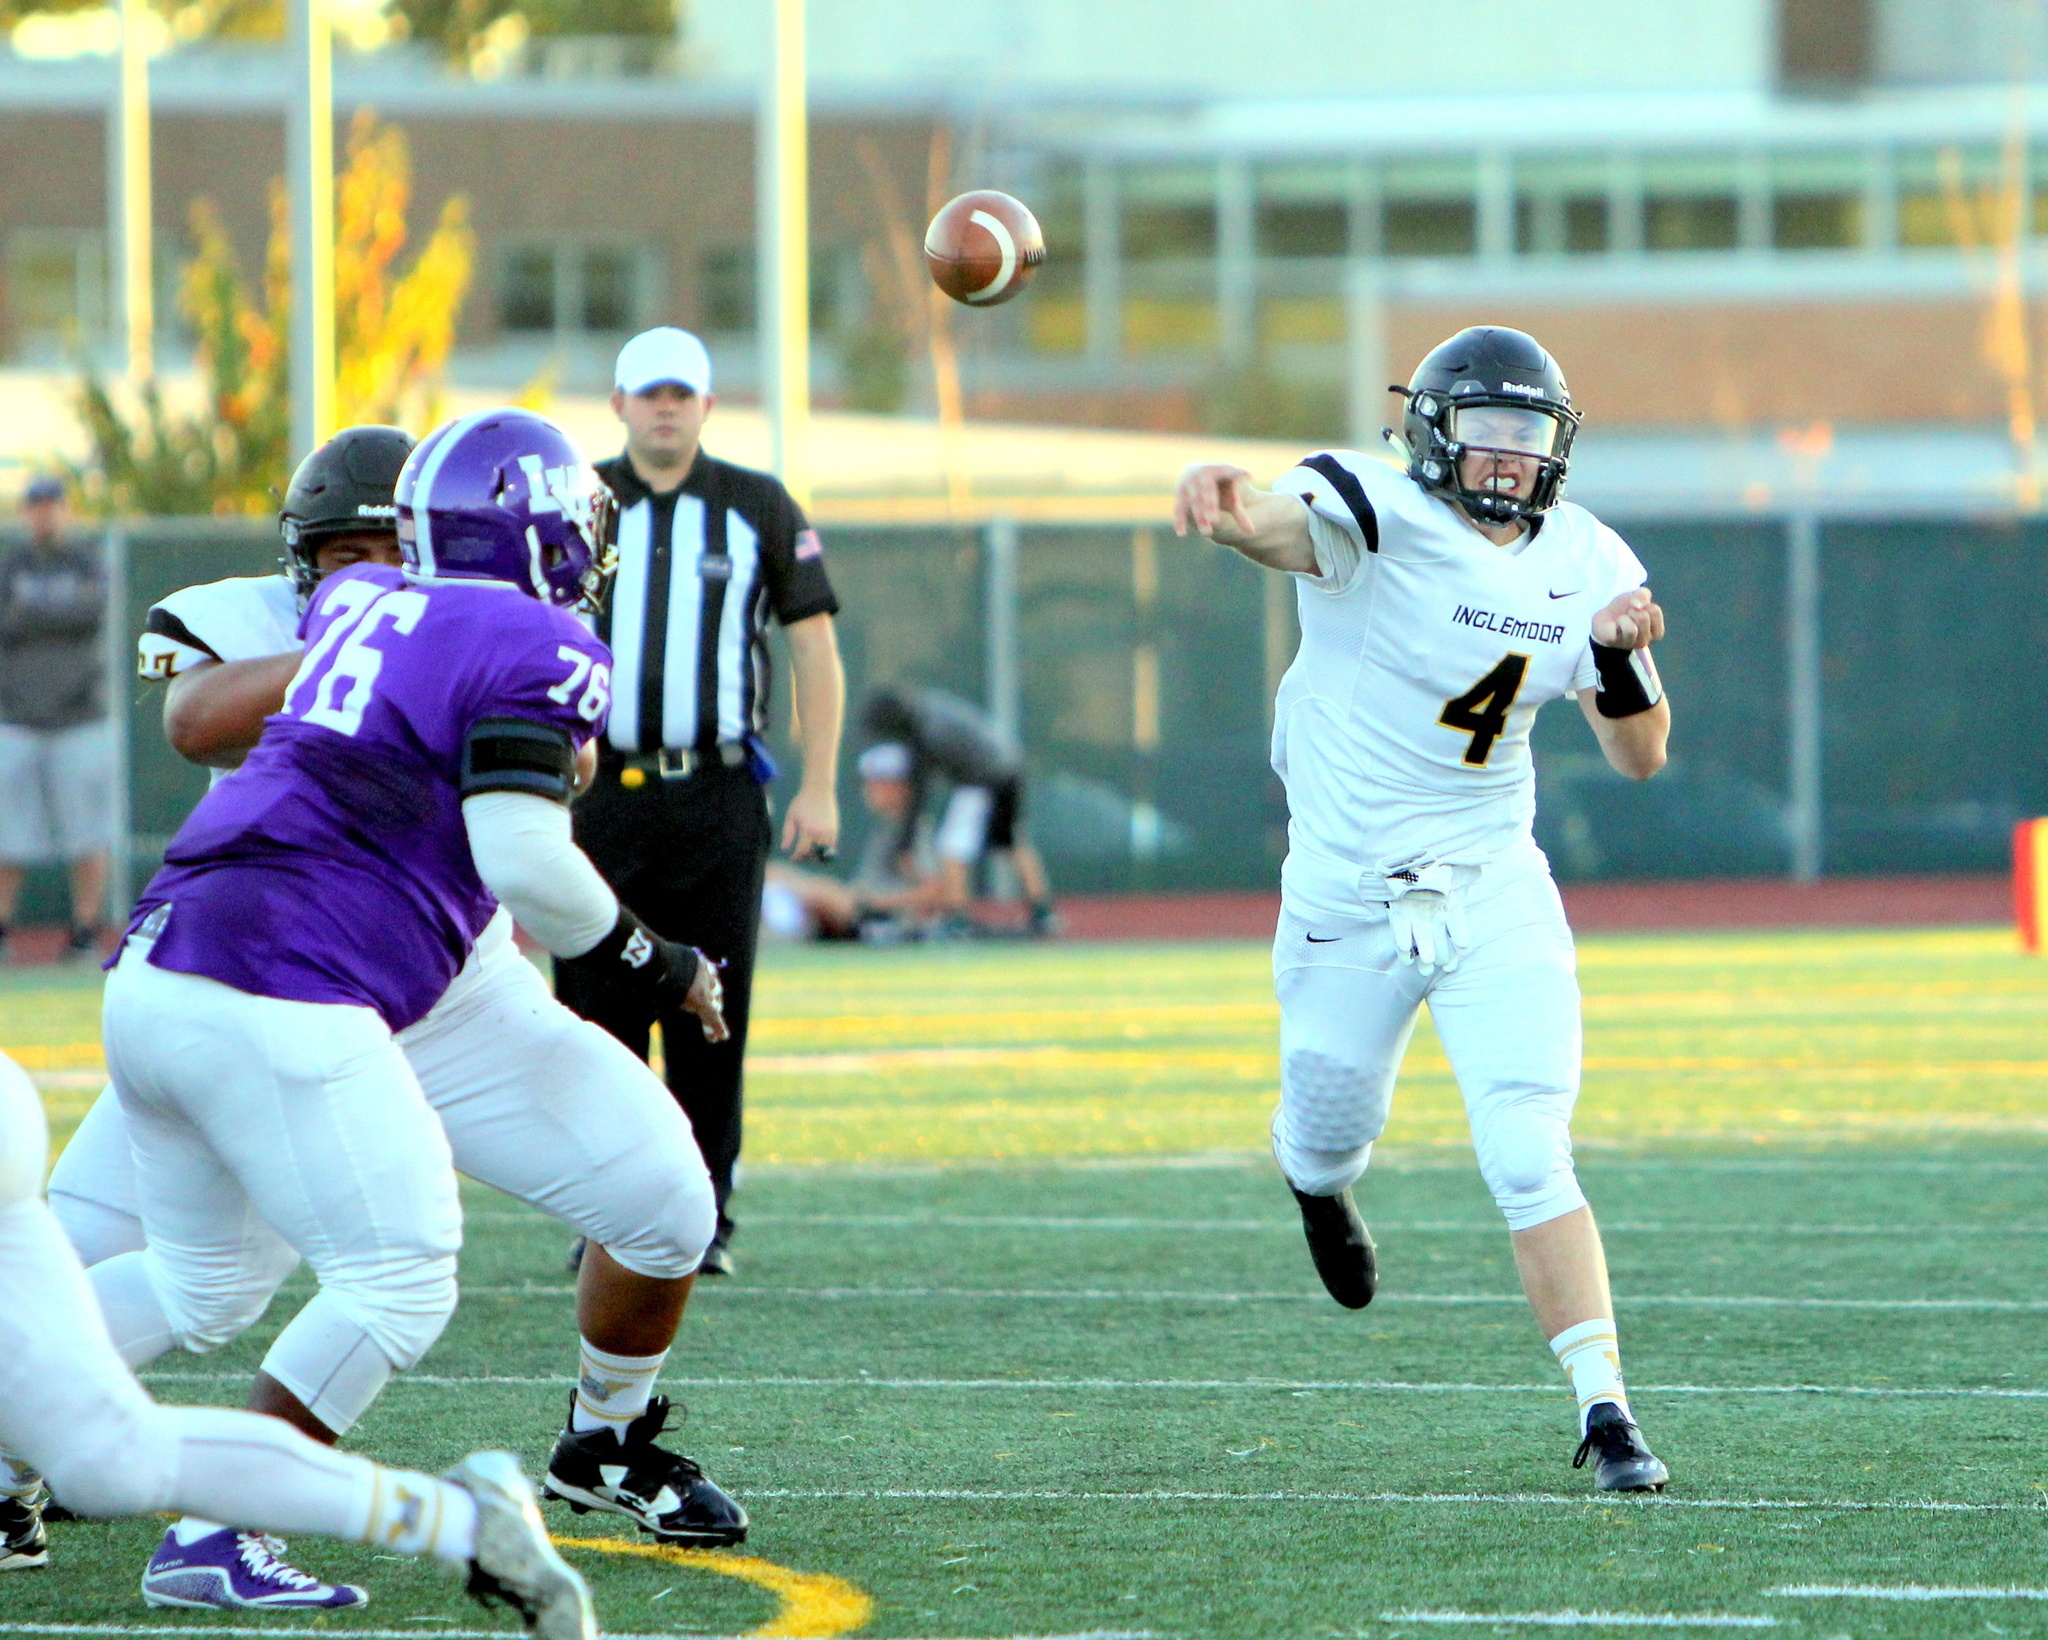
{"points": [[1700, 222], [56, 295], [1560, 224], [1430, 227], [583, 289], [1292, 228], [727, 300], [1153, 232], [1811, 222], [526, 291]]}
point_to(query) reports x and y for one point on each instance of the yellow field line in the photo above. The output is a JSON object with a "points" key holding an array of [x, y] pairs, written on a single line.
{"points": [[814, 1605]]}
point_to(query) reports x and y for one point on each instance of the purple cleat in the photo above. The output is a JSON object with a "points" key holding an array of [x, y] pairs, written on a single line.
{"points": [[231, 1568]]}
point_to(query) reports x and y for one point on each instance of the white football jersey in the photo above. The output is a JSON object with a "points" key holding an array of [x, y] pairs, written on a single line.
{"points": [[1401, 731], [243, 618]]}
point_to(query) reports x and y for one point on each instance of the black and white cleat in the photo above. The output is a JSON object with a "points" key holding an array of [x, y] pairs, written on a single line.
{"points": [[1621, 1462], [24, 1545], [1341, 1247], [667, 1494]]}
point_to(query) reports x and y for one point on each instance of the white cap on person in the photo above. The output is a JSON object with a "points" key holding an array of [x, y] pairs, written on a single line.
{"points": [[886, 761], [663, 354]]}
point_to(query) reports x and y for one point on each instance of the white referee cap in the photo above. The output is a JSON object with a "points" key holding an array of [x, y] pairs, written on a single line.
{"points": [[887, 761], [663, 354]]}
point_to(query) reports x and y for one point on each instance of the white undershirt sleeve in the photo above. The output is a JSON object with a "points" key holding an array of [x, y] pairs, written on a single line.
{"points": [[1337, 551], [526, 854]]}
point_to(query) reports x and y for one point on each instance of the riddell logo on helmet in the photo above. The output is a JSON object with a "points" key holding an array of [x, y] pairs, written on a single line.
{"points": [[1524, 389]]}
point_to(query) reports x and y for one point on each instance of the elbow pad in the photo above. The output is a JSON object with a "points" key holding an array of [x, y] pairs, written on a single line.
{"points": [[1628, 681], [518, 755], [634, 959]]}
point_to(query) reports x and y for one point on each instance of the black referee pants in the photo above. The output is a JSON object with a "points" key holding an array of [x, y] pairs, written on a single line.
{"points": [[687, 857]]}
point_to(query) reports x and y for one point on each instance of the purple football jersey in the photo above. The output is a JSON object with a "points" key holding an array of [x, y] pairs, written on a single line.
{"points": [[333, 866]]}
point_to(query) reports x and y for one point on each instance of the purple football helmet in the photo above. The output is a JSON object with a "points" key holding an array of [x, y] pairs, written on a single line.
{"points": [[504, 495]]}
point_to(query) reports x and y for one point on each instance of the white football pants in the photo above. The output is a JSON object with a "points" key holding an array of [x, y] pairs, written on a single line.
{"points": [[261, 1126], [70, 1409], [1508, 1016], [535, 1101]]}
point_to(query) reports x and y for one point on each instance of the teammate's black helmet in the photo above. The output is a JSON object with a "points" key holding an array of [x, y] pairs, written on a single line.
{"points": [[1466, 395], [347, 485]]}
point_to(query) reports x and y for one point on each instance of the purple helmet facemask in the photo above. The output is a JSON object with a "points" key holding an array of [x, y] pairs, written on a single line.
{"points": [[504, 495]]}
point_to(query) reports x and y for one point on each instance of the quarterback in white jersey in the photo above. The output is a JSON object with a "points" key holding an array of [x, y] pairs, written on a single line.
{"points": [[1440, 607], [533, 1100]]}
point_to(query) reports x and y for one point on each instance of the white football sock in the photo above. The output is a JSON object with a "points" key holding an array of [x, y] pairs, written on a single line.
{"points": [[1590, 1354], [263, 1475], [612, 1390], [192, 1528]]}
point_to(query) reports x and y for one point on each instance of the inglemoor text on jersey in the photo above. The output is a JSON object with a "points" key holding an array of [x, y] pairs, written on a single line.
{"points": [[1508, 626]]}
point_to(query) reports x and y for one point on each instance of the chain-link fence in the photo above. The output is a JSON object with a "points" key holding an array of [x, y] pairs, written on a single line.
{"points": [[1139, 670]]}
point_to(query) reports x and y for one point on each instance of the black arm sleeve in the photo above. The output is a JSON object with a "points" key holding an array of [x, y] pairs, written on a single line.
{"points": [[518, 755], [639, 962]]}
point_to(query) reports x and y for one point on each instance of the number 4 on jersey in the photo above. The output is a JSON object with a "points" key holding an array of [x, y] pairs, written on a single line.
{"points": [[1482, 710]]}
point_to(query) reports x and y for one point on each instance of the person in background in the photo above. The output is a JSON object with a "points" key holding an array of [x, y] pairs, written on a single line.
{"points": [[892, 895], [56, 743], [951, 739]]}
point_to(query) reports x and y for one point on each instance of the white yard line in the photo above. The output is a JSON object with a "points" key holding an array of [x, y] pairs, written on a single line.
{"points": [[1103, 1295], [1583, 1620], [1363, 1386], [1115, 1225], [1900, 1591], [1584, 1500]]}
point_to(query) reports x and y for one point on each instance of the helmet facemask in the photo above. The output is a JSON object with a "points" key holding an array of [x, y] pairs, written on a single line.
{"points": [[1529, 439]]}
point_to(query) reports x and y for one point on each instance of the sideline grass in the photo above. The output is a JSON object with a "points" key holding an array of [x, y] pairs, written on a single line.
{"points": [[1797, 1118]]}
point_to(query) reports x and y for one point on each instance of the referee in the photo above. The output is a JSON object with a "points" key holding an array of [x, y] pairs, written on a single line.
{"points": [[677, 820]]}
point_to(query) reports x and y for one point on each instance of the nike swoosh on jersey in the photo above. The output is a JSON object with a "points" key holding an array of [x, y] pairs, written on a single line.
{"points": [[1332, 940], [1575, 591]]}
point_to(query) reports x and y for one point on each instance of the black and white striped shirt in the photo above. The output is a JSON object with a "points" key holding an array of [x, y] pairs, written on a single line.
{"points": [[701, 568]]}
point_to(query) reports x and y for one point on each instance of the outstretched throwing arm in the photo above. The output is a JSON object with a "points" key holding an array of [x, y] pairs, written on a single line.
{"points": [[1221, 502]]}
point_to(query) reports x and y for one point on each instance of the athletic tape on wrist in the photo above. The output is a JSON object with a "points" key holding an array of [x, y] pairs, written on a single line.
{"points": [[1628, 681]]}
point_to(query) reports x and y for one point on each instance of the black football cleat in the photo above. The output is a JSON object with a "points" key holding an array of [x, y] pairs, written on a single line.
{"points": [[718, 1260], [24, 1545], [1341, 1247], [668, 1495], [1621, 1463]]}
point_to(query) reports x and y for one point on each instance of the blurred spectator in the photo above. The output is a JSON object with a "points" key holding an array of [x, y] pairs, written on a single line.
{"points": [[56, 745], [952, 739], [892, 895]]}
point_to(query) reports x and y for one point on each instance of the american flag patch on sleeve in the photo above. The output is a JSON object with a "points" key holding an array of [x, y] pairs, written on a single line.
{"points": [[808, 545]]}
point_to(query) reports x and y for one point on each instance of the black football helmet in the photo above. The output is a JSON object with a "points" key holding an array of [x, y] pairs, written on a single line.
{"points": [[348, 485], [1489, 388]]}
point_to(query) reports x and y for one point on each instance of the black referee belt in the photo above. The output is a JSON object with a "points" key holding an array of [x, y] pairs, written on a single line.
{"points": [[679, 763]]}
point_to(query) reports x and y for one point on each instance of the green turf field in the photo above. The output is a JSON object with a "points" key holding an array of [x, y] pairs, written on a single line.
{"points": [[1025, 1342]]}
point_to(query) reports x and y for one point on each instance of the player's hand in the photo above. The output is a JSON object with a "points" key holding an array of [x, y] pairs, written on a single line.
{"points": [[810, 831], [1632, 621], [706, 999], [1210, 492]]}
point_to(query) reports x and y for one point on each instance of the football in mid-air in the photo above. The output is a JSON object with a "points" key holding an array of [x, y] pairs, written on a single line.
{"points": [[983, 247]]}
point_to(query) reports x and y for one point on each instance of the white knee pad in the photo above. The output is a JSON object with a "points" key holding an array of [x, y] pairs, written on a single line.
{"points": [[1328, 1103], [1524, 1147], [330, 1363], [1314, 1171], [403, 1302], [670, 1204], [121, 1461]]}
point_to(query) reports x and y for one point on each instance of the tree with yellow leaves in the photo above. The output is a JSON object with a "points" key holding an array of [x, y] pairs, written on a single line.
{"points": [[393, 333]]}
